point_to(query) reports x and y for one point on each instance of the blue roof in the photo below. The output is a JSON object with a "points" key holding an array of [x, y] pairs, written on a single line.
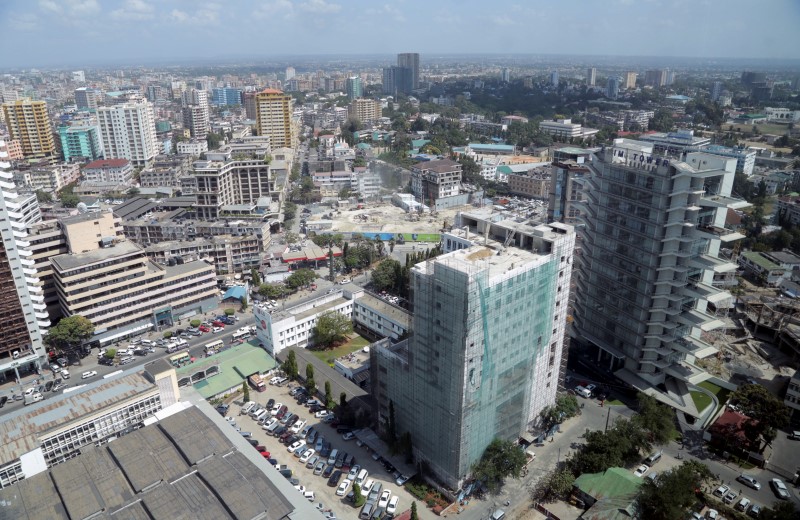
{"points": [[238, 292], [496, 147]]}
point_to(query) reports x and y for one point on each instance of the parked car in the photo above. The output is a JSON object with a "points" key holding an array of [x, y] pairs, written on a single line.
{"points": [[721, 491], [795, 436], [755, 511], [730, 496], [90, 373], [333, 481], [328, 471], [342, 489], [319, 468], [749, 481], [348, 436], [641, 471], [392, 507], [779, 488]]}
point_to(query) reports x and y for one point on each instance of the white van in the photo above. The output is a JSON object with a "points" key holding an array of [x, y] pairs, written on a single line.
{"points": [[362, 476], [498, 515], [181, 342], [146, 343], [249, 405], [65, 373], [33, 398], [261, 413], [743, 504], [126, 360], [332, 456], [583, 392]]}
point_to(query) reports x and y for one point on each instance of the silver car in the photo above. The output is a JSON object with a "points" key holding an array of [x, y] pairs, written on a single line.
{"points": [[749, 481]]}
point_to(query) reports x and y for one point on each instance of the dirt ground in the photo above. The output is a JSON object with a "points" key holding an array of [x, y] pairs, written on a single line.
{"points": [[388, 218]]}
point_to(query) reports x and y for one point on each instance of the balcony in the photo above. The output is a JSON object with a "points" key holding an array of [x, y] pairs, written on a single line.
{"points": [[720, 201], [713, 263], [706, 292], [724, 234], [695, 318]]}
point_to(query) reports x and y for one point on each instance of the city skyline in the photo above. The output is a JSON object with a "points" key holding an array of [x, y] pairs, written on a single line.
{"points": [[106, 31]]}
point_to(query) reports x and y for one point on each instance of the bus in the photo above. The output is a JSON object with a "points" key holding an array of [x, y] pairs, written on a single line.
{"points": [[214, 347], [180, 359], [241, 334]]}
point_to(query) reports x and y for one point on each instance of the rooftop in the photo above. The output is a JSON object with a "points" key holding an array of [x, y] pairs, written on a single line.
{"points": [[21, 429], [760, 260], [107, 163], [613, 482], [438, 166], [235, 365], [72, 261], [183, 466], [385, 308]]}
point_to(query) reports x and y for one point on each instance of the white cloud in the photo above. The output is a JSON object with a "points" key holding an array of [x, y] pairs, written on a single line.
{"points": [[23, 21], [133, 10], [503, 20], [179, 16], [207, 14], [83, 7], [387, 10], [274, 9], [319, 7], [49, 6]]}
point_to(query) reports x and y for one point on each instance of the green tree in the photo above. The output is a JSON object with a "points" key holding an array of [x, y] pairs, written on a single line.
{"points": [[343, 400], [556, 485], [229, 312], [195, 323], [767, 413], [290, 365], [43, 197], [69, 200], [214, 140], [133, 192], [268, 290], [673, 493], [384, 276], [300, 278], [329, 402], [244, 304], [69, 333], [414, 514], [311, 385], [656, 418], [255, 277], [566, 406], [780, 511], [167, 334], [621, 445], [501, 459], [291, 237], [332, 328], [110, 353], [358, 498], [245, 392]]}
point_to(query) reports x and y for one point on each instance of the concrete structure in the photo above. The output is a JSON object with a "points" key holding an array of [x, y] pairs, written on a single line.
{"points": [[128, 131], [792, 398], [228, 254], [782, 115], [397, 80], [770, 267], [365, 110], [91, 285], [50, 178], [630, 80], [488, 327], [274, 118], [223, 185], [789, 209], [80, 143], [591, 76], [745, 158], [22, 309], [675, 143], [354, 88], [87, 98], [410, 61], [226, 96], [553, 78], [194, 147], [167, 170], [29, 123], [565, 128], [433, 180], [652, 236], [655, 78], [292, 327], [612, 88], [566, 190], [380, 318], [534, 183], [109, 170]]}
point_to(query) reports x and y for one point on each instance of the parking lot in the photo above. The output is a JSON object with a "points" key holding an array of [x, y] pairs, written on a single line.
{"points": [[323, 493]]}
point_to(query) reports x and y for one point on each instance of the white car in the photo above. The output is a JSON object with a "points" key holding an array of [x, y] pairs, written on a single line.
{"points": [[402, 479], [276, 409], [309, 495], [268, 424], [322, 414], [392, 507], [641, 470], [307, 455], [367, 486], [342, 489], [216, 329], [384, 500], [90, 373], [296, 445]]}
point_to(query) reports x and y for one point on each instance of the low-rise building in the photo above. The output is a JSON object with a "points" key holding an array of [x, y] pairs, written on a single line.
{"points": [[432, 180], [675, 143], [380, 318], [49, 178], [769, 268], [565, 129], [228, 254], [118, 288], [534, 183], [119, 171], [193, 147]]}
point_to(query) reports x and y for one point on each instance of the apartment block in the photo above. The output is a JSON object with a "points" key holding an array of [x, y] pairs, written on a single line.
{"points": [[50, 178], [534, 183], [365, 110], [432, 180], [232, 186], [87, 98], [380, 318], [650, 253], [109, 170], [565, 128], [128, 131], [274, 118], [228, 254], [29, 123], [167, 170], [485, 355], [80, 143], [118, 288]]}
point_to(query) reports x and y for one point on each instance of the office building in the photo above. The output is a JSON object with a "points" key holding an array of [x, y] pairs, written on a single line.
{"points": [[650, 257], [80, 143], [22, 309], [410, 61], [149, 295], [675, 143], [195, 113], [591, 76], [27, 122], [78, 76], [432, 180], [485, 356], [365, 110], [128, 131], [716, 90], [566, 187], [655, 78], [290, 73], [534, 183], [505, 75], [274, 118], [156, 93], [226, 96], [630, 80], [249, 102], [354, 89], [745, 158], [397, 80], [554, 78], [119, 171], [87, 98], [612, 88], [565, 128]]}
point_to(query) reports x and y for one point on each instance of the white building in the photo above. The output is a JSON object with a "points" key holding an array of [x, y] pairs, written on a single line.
{"points": [[565, 128], [119, 171], [280, 328], [128, 131], [783, 115], [195, 147]]}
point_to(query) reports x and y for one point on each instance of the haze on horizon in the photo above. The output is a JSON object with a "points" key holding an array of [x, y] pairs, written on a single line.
{"points": [[52, 33]]}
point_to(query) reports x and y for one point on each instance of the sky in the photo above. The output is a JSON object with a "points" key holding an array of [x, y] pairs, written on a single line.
{"points": [[49, 33]]}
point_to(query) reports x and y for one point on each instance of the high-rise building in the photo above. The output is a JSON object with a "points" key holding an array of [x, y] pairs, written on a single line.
{"points": [[505, 75], [630, 80], [486, 354], [128, 132], [195, 112], [249, 102], [397, 80], [410, 61], [290, 73], [78, 76], [612, 88], [155, 93], [365, 110], [80, 143], [655, 78], [28, 123], [226, 96], [591, 76], [22, 309], [354, 89], [716, 90], [649, 265], [566, 184], [86, 98], [554, 78], [274, 118], [670, 77]]}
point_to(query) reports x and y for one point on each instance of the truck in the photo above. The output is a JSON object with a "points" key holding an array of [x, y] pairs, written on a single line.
{"points": [[33, 398], [257, 383]]}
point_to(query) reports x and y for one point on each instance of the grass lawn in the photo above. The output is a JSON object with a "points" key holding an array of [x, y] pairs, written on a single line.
{"points": [[614, 402], [721, 393], [356, 343], [701, 400]]}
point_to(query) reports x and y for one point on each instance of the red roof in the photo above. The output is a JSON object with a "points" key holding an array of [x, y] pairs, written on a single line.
{"points": [[730, 425], [106, 163], [271, 91]]}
